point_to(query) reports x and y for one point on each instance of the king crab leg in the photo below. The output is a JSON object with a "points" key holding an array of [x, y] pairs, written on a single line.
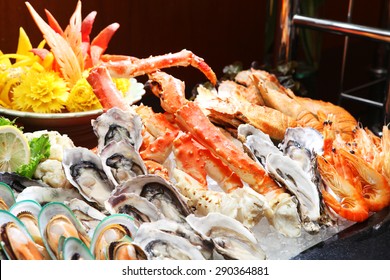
{"points": [[122, 66]]}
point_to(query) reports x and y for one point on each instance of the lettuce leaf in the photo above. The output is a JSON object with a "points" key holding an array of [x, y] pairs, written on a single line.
{"points": [[40, 150]]}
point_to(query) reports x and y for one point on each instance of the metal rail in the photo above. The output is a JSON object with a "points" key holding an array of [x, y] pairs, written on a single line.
{"points": [[350, 29], [342, 28]]}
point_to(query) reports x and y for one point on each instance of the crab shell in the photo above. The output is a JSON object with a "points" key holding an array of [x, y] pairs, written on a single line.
{"points": [[168, 200], [56, 220], [16, 241], [111, 229]]}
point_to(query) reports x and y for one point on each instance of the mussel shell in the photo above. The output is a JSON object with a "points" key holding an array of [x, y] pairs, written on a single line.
{"points": [[51, 210], [30, 206], [125, 221], [28, 209], [119, 250], [72, 248], [7, 197], [5, 218]]}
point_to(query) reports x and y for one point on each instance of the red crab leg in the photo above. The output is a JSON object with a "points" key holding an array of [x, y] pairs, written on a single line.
{"points": [[105, 89], [132, 67], [191, 118]]}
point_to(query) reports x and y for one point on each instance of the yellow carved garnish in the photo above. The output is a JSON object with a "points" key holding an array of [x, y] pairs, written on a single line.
{"points": [[40, 92], [82, 98]]}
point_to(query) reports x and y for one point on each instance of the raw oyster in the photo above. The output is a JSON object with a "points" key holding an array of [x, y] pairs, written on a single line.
{"points": [[307, 137], [258, 144], [121, 161], [55, 221], [84, 171], [231, 239], [134, 205], [89, 216], [205, 246], [168, 200], [160, 245], [16, 241], [7, 197], [286, 171], [116, 125], [111, 229]]}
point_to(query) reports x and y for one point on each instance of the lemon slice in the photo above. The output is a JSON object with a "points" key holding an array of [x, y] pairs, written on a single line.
{"points": [[14, 148]]}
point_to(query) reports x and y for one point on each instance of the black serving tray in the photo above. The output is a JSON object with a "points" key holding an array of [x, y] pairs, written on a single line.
{"points": [[369, 240]]}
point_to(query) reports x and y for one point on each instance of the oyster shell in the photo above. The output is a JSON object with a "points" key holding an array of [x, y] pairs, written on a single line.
{"points": [[306, 137], [168, 200], [161, 245], [115, 125], [121, 161], [257, 144], [134, 205], [89, 216], [286, 171], [205, 246], [84, 171], [231, 239]]}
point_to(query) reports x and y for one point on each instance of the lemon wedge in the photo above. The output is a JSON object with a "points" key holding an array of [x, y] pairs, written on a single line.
{"points": [[14, 148]]}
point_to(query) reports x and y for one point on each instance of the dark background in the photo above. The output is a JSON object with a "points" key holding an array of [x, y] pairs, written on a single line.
{"points": [[220, 31]]}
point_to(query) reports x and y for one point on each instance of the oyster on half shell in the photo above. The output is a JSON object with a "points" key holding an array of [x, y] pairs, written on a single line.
{"points": [[84, 170], [167, 199], [231, 239], [115, 125]]}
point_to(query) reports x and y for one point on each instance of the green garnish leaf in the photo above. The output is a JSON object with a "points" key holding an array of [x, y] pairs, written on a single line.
{"points": [[40, 150]]}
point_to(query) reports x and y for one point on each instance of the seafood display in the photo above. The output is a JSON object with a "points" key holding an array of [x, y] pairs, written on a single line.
{"points": [[208, 178]]}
